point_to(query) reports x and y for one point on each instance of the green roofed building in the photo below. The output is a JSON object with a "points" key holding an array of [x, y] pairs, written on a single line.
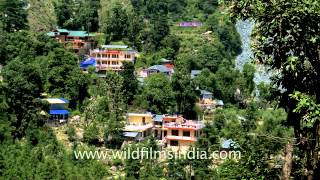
{"points": [[77, 39]]}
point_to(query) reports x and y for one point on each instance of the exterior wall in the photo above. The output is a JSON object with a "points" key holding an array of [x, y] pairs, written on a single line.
{"points": [[134, 119], [192, 132], [183, 146], [112, 60]]}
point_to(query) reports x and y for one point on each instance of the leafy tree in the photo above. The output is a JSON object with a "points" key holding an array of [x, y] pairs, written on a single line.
{"points": [[130, 82], [209, 56], [287, 38], [79, 14], [117, 23], [23, 87], [158, 93], [248, 73], [225, 30], [185, 95], [47, 21], [64, 77], [13, 15]]}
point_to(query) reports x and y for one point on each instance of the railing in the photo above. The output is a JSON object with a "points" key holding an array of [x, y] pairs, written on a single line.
{"points": [[183, 138], [194, 125]]}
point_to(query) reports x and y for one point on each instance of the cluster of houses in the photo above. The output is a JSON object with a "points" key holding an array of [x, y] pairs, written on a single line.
{"points": [[173, 131]]}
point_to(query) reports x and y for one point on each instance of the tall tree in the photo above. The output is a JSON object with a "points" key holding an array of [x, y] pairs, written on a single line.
{"points": [[13, 15], [130, 82], [287, 39], [23, 86], [185, 94], [158, 93]]}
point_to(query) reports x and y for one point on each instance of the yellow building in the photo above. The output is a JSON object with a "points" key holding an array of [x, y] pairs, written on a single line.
{"points": [[138, 126]]}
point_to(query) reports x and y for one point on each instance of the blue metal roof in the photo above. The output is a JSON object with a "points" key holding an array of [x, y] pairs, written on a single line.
{"points": [[88, 62], [157, 118], [160, 68], [130, 134], [59, 112]]}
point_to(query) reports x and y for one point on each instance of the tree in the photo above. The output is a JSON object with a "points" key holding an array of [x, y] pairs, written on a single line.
{"points": [[185, 94], [287, 39], [158, 94], [64, 77], [13, 15], [248, 73], [116, 24], [78, 14], [23, 87], [47, 21], [130, 82]]}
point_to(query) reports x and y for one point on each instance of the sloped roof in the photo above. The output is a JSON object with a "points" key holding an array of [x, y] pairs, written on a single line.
{"points": [[57, 101], [194, 73], [79, 33], [205, 92], [130, 134], [160, 68], [158, 118], [115, 46]]}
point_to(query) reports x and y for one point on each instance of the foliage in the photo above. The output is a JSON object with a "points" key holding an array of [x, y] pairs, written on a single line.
{"points": [[13, 15], [79, 14], [287, 38], [130, 83], [158, 94]]}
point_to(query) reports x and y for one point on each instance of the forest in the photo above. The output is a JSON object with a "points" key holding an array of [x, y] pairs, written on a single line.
{"points": [[274, 125]]}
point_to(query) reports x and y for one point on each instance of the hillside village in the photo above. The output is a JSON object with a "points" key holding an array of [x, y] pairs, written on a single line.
{"points": [[173, 76]]}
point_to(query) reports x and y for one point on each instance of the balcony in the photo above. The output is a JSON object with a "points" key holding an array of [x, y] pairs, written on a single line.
{"points": [[181, 138], [186, 125], [138, 127]]}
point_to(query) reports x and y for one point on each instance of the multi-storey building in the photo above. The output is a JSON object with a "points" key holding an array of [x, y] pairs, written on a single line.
{"points": [[111, 57], [180, 133], [76, 39], [138, 126], [175, 132]]}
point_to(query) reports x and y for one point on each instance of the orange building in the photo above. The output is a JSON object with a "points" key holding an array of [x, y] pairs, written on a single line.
{"points": [[111, 57]]}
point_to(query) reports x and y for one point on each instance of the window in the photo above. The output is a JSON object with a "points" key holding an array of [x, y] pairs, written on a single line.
{"points": [[127, 56], [143, 120], [175, 133], [186, 133], [114, 63], [115, 56], [174, 143]]}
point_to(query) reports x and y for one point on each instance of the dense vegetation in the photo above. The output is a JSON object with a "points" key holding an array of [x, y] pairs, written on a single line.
{"points": [[262, 127]]}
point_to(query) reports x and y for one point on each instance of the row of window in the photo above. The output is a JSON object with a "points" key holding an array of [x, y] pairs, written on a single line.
{"points": [[126, 56], [176, 133], [110, 63]]}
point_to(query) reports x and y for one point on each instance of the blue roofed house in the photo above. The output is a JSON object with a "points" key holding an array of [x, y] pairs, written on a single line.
{"points": [[58, 109]]}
